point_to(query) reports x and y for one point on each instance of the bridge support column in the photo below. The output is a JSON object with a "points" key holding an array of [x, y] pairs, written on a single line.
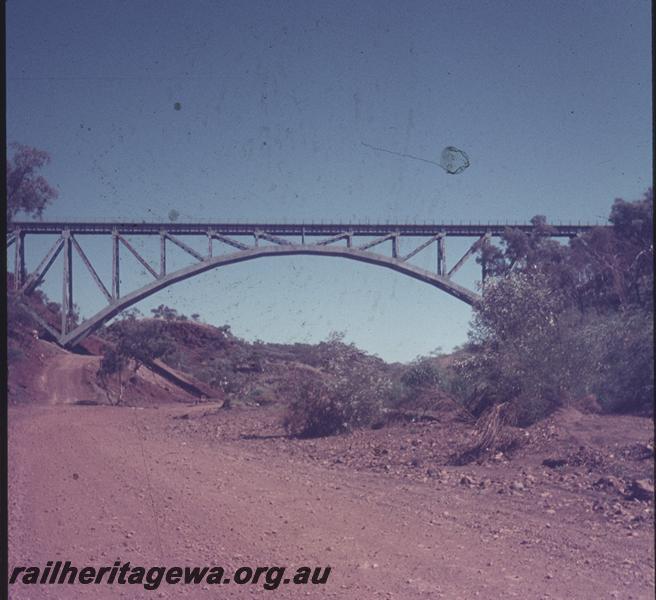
{"points": [[441, 254], [162, 253], [19, 259], [116, 275], [484, 246], [483, 270], [67, 288], [210, 246]]}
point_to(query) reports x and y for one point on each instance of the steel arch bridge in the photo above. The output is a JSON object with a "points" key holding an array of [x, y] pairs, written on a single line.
{"points": [[266, 240]]}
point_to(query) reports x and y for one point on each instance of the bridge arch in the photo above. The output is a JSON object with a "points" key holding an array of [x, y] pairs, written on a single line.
{"points": [[441, 282]]}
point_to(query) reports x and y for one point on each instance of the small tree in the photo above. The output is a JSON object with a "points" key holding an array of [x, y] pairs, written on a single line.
{"points": [[112, 364], [165, 312], [517, 349], [133, 344], [27, 191]]}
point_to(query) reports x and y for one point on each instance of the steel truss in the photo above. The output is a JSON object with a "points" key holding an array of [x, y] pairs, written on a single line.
{"points": [[267, 240]]}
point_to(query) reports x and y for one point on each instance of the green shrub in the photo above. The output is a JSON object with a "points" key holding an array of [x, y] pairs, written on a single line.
{"points": [[420, 385], [557, 356], [422, 372], [349, 393], [622, 349], [327, 406], [517, 353], [559, 323]]}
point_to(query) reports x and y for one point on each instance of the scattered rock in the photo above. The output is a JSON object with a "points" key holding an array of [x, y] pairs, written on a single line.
{"points": [[553, 463], [609, 484], [639, 451], [586, 457], [641, 489], [617, 509]]}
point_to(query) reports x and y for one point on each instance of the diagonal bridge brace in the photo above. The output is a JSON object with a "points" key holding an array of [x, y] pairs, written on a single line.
{"points": [[473, 249], [35, 278], [226, 240], [90, 268], [184, 246], [347, 235], [383, 238], [138, 256], [272, 238], [419, 248]]}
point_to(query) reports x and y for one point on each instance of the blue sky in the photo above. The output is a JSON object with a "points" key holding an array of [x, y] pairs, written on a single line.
{"points": [[550, 100]]}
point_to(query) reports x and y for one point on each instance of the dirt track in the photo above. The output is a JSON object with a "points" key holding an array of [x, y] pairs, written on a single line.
{"points": [[65, 378], [94, 484]]}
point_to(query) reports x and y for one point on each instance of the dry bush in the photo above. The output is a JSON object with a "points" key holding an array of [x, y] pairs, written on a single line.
{"points": [[347, 392], [492, 434]]}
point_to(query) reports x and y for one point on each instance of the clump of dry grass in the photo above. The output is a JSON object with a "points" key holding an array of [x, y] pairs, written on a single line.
{"points": [[492, 434]]}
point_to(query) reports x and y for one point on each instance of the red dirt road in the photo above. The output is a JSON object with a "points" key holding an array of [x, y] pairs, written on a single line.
{"points": [[93, 484]]}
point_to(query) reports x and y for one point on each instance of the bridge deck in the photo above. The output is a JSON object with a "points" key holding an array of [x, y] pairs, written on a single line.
{"points": [[294, 229]]}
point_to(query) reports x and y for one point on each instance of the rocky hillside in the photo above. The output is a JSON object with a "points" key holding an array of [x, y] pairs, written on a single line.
{"points": [[252, 373]]}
